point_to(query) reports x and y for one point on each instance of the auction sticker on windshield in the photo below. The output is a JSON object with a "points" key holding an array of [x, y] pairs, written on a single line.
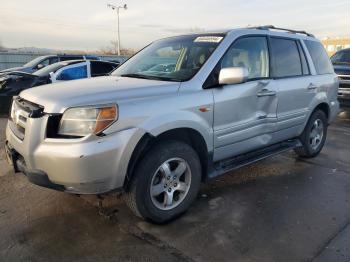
{"points": [[208, 39]]}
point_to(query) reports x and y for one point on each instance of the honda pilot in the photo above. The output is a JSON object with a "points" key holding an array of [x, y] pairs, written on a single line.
{"points": [[214, 103]]}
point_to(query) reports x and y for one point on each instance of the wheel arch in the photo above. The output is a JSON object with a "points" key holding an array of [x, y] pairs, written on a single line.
{"points": [[187, 135], [324, 107]]}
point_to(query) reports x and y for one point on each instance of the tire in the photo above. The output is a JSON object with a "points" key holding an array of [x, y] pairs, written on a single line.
{"points": [[173, 159], [309, 147]]}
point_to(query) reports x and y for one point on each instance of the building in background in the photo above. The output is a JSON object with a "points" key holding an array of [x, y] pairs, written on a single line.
{"points": [[333, 45]]}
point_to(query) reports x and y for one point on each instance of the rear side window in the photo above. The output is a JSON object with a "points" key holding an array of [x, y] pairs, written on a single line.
{"points": [[285, 57], [319, 57], [101, 68]]}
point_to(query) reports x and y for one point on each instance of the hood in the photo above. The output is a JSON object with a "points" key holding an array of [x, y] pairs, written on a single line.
{"points": [[16, 80], [99, 90], [18, 69], [343, 69]]}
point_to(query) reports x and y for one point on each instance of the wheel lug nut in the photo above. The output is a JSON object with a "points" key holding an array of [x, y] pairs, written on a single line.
{"points": [[168, 178], [169, 190], [175, 185]]}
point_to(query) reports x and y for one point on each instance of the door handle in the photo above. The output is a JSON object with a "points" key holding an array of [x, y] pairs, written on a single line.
{"points": [[266, 92], [312, 86]]}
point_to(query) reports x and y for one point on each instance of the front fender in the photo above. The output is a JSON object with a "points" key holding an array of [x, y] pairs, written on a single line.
{"points": [[183, 119]]}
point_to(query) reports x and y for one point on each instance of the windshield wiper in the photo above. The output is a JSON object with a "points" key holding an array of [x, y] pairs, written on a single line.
{"points": [[135, 76], [150, 77]]}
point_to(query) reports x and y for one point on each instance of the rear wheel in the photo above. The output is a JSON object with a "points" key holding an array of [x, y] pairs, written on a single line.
{"points": [[166, 182], [313, 136]]}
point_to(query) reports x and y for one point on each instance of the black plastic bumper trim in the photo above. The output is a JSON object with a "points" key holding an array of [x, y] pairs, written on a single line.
{"points": [[37, 177]]}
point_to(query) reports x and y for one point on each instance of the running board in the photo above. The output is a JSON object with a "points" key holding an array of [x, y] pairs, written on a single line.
{"points": [[252, 157]]}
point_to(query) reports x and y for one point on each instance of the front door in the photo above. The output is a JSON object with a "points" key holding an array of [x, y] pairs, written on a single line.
{"points": [[245, 114]]}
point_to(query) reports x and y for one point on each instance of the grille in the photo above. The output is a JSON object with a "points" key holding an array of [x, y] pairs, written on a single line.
{"points": [[347, 86], [344, 77], [20, 112]]}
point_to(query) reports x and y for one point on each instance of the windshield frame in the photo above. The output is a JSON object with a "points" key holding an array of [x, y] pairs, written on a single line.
{"points": [[163, 78]]}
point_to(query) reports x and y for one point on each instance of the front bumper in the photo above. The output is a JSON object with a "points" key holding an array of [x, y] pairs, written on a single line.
{"points": [[90, 165]]}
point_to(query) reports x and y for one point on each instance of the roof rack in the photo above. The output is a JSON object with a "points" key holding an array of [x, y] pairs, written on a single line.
{"points": [[271, 27]]}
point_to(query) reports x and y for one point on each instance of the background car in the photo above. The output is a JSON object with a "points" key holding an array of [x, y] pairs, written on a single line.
{"points": [[42, 61], [341, 64], [12, 83]]}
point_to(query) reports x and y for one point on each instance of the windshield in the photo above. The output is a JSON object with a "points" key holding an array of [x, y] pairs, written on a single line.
{"points": [[341, 57], [172, 59], [51, 68], [34, 62]]}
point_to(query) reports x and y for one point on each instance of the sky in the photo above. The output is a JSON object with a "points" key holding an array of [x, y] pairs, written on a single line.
{"points": [[89, 25]]}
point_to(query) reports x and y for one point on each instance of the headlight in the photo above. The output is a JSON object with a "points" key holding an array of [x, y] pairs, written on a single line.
{"points": [[83, 121]]}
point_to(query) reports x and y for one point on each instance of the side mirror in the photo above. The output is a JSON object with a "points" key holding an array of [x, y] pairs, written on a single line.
{"points": [[233, 75], [39, 66]]}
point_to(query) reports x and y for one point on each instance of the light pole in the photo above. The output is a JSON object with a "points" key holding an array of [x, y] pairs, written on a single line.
{"points": [[116, 8]]}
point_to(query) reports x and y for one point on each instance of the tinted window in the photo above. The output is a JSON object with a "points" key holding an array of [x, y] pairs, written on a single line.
{"points": [[101, 68], [78, 72], [319, 57], [286, 59], [65, 58], [341, 57], [250, 53], [53, 60]]}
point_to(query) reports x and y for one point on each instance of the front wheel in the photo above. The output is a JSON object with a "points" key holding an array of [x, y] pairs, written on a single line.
{"points": [[313, 136], [166, 182]]}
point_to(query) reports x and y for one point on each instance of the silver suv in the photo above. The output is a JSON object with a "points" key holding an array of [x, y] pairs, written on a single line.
{"points": [[182, 110]]}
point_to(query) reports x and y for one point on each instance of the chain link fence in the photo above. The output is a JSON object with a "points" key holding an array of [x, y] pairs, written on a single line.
{"points": [[9, 60]]}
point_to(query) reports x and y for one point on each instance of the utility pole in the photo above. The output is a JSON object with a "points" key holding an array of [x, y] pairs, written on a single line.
{"points": [[116, 8]]}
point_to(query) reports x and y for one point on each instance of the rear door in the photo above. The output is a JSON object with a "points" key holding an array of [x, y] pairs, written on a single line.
{"points": [[291, 73], [245, 114]]}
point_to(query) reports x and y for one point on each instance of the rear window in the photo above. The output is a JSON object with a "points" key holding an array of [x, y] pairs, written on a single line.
{"points": [[319, 57], [286, 58]]}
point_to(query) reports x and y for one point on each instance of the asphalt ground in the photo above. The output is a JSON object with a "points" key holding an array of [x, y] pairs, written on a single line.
{"points": [[280, 209]]}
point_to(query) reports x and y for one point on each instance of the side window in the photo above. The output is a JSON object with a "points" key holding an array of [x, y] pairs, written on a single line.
{"points": [[100, 68], [45, 62], [304, 63], [319, 57], [286, 58], [73, 73], [53, 60], [251, 53]]}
